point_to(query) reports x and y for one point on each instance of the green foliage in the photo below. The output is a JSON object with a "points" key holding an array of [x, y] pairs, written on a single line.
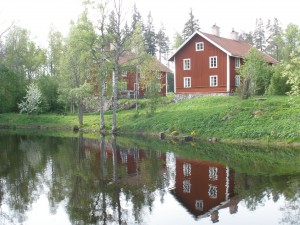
{"points": [[256, 74], [190, 26], [12, 89], [271, 120], [278, 84], [291, 73], [49, 89], [150, 36]]}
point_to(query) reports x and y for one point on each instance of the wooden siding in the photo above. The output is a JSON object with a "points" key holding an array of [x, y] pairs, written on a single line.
{"points": [[200, 182], [200, 72], [132, 77]]}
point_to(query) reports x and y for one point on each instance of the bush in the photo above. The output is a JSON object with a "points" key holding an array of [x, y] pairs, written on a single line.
{"points": [[278, 85]]}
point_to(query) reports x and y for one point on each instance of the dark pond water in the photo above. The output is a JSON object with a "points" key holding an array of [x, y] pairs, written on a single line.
{"points": [[48, 180]]}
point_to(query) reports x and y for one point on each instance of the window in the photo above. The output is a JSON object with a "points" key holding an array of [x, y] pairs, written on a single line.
{"points": [[187, 82], [187, 169], [187, 186], [186, 64], [213, 173], [199, 46], [237, 80], [199, 205], [124, 73], [213, 62], [212, 191], [213, 81], [237, 63]]}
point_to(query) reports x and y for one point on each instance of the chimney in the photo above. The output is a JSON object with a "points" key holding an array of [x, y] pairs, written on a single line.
{"points": [[234, 35], [215, 30]]}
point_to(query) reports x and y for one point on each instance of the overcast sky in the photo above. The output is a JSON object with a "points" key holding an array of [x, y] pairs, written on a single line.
{"points": [[38, 15]]}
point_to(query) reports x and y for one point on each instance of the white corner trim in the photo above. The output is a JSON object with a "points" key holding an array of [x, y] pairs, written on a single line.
{"points": [[228, 73]]}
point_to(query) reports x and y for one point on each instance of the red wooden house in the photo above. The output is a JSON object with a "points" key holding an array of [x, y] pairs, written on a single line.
{"points": [[206, 63], [204, 187], [130, 79]]}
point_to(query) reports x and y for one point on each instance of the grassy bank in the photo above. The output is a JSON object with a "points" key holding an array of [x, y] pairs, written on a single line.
{"points": [[269, 119]]}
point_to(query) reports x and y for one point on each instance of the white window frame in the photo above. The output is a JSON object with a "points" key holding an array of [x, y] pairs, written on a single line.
{"points": [[237, 80], [186, 64], [213, 173], [187, 82], [199, 46], [199, 205], [213, 81], [186, 186], [237, 62], [212, 191], [187, 169], [213, 62]]}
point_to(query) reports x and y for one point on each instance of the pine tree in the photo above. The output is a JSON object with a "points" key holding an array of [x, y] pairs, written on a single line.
{"points": [[178, 40], [247, 37], [259, 35], [190, 26], [274, 38], [162, 42], [136, 18], [150, 36]]}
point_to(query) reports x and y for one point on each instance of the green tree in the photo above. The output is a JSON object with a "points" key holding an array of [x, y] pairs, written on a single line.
{"points": [[255, 73], [49, 86], [247, 37], [274, 39], [99, 53], [259, 35], [162, 43], [178, 40], [291, 41], [150, 36], [150, 80], [119, 37], [12, 89], [136, 18], [55, 51], [77, 63], [278, 84], [22, 55], [191, 26], [292, 73]]}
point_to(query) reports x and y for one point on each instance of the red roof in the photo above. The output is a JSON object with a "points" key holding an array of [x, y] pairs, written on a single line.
{"points": [[232, 47]]}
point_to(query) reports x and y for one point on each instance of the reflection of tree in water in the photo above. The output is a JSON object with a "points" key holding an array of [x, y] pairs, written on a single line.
{"points": [[291, 209], [105, 193], [256, 190]]}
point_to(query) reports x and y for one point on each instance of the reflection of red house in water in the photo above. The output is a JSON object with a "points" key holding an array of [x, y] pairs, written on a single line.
{"points": [[204, 187], [128, 158]]}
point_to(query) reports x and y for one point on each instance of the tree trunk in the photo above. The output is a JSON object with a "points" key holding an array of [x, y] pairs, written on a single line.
{"points": [[80, 111], [246, 86], [102, 99], [115, 100]]}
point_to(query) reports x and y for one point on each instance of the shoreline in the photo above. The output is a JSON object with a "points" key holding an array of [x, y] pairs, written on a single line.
{"points": [[178, 138]]}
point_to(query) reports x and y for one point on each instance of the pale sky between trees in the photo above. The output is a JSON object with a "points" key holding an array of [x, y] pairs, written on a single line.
{"points": [[38, 15]]}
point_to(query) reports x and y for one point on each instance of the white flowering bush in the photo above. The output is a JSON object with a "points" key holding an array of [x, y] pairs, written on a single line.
{"points": [[32, 100]]}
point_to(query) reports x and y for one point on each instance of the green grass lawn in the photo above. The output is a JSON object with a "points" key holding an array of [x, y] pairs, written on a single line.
{"points": [[274, 118]]}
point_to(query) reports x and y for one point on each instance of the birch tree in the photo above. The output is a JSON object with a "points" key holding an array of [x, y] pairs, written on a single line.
{"points": [[119, 37]]}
